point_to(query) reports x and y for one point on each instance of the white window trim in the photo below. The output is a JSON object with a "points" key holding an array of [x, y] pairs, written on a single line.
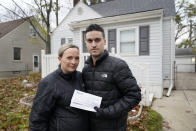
{"points": [[136, 41]]}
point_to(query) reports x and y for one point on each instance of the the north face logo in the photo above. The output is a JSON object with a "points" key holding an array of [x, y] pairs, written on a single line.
{"points": [[104, 75]]}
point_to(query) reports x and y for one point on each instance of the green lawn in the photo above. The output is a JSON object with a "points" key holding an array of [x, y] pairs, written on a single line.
{"points": [[150, 120]]}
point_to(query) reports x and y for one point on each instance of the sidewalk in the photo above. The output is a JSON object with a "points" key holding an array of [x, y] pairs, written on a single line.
{"points": [[179, 109]]}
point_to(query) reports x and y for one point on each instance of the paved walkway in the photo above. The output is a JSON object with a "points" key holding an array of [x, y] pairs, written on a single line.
{"points": [[179, 110]]}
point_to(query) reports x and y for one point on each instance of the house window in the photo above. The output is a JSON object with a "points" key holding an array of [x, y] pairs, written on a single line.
{"points": [[17, 53], [128, 41], [70, 40], [62, 41], [32, 31]]}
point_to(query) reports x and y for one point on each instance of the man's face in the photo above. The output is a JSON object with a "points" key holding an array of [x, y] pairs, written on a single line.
{"points": [[95, 43]]}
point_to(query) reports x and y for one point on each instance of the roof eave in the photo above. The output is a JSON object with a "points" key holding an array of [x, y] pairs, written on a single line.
{"points": [[120, 18]]}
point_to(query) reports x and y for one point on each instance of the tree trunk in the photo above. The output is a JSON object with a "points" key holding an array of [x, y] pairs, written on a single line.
{"points": [[56, 12], [190, 33]]}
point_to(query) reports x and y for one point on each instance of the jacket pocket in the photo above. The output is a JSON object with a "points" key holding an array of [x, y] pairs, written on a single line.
{"points": [[69, 124], [106, 124]]}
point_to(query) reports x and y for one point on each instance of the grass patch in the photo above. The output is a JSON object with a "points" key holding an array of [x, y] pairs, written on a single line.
{"points": [[150, 120]]}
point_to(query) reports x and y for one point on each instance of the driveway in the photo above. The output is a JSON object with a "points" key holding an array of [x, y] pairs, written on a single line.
{"points": [[179, 110]]}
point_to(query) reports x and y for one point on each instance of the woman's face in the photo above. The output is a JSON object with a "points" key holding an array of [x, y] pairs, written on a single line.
{"points": [[70, 60]]}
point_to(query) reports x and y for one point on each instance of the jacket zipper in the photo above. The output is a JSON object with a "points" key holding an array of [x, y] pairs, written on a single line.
{"points": [[93, 80]]}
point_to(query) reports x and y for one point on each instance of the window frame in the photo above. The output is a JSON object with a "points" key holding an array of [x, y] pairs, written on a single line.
{"points": [[136, 28], [20, 53]]}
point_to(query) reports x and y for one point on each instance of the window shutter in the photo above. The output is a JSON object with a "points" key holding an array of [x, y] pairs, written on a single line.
{"points": [[111, 39], [144, 40], [62, 41], [84, 48]]}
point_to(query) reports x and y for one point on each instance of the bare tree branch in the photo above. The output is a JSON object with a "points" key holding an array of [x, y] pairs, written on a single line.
{"points": [[11, 11], [41, 11], [25, 18]]}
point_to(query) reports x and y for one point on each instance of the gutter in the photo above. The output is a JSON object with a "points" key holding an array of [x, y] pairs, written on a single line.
{"points": [[171, 78]]}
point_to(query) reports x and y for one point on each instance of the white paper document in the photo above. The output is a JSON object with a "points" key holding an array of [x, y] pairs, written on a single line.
{"points": [[85, 101]]}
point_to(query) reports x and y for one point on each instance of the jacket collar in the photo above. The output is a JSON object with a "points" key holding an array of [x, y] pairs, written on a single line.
{"points": [[66, 76], [99, 60]]}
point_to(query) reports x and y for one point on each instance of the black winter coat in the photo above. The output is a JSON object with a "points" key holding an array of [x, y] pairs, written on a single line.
{"points": [[51, 109], [112, 80]]}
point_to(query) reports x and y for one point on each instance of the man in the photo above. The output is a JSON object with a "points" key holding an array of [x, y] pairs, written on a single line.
{"points": [[111, 79]]}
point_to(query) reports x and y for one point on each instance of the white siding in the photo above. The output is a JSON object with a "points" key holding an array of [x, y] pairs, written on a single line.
{"points": [[64, 31], [155, 57], [168, 50]]}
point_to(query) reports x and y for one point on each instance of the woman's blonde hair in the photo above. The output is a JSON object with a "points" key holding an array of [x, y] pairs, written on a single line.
{"points": [[64, 47]]}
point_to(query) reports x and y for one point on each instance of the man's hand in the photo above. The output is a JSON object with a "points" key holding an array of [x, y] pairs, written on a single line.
{"points": [[99, 112], [106, 113]]}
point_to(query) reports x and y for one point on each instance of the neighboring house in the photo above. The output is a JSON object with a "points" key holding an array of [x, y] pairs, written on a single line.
{"points": [[185, 60], [20, 48], [139, 31]]}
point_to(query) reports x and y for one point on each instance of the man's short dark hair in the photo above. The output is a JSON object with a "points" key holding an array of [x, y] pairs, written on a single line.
{"points": [[95, 27]]}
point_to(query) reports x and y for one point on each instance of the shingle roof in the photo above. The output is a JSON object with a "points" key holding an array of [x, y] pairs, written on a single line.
{"points": [[7, 27], [120, 7], [184, 51]]}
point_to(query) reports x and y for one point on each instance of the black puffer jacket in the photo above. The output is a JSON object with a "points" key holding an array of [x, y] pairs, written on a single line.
{"points": [[111, 79], [51, 109]]}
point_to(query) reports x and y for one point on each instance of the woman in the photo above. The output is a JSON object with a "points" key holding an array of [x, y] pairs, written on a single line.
{"points": [[51, 109]]}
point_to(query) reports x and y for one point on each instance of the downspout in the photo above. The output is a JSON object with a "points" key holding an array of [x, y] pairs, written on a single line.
{"points": [[171, 77]]}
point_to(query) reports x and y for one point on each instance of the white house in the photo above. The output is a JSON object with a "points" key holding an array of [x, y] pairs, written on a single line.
{"points": [[139, 31], [20, 48]]}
